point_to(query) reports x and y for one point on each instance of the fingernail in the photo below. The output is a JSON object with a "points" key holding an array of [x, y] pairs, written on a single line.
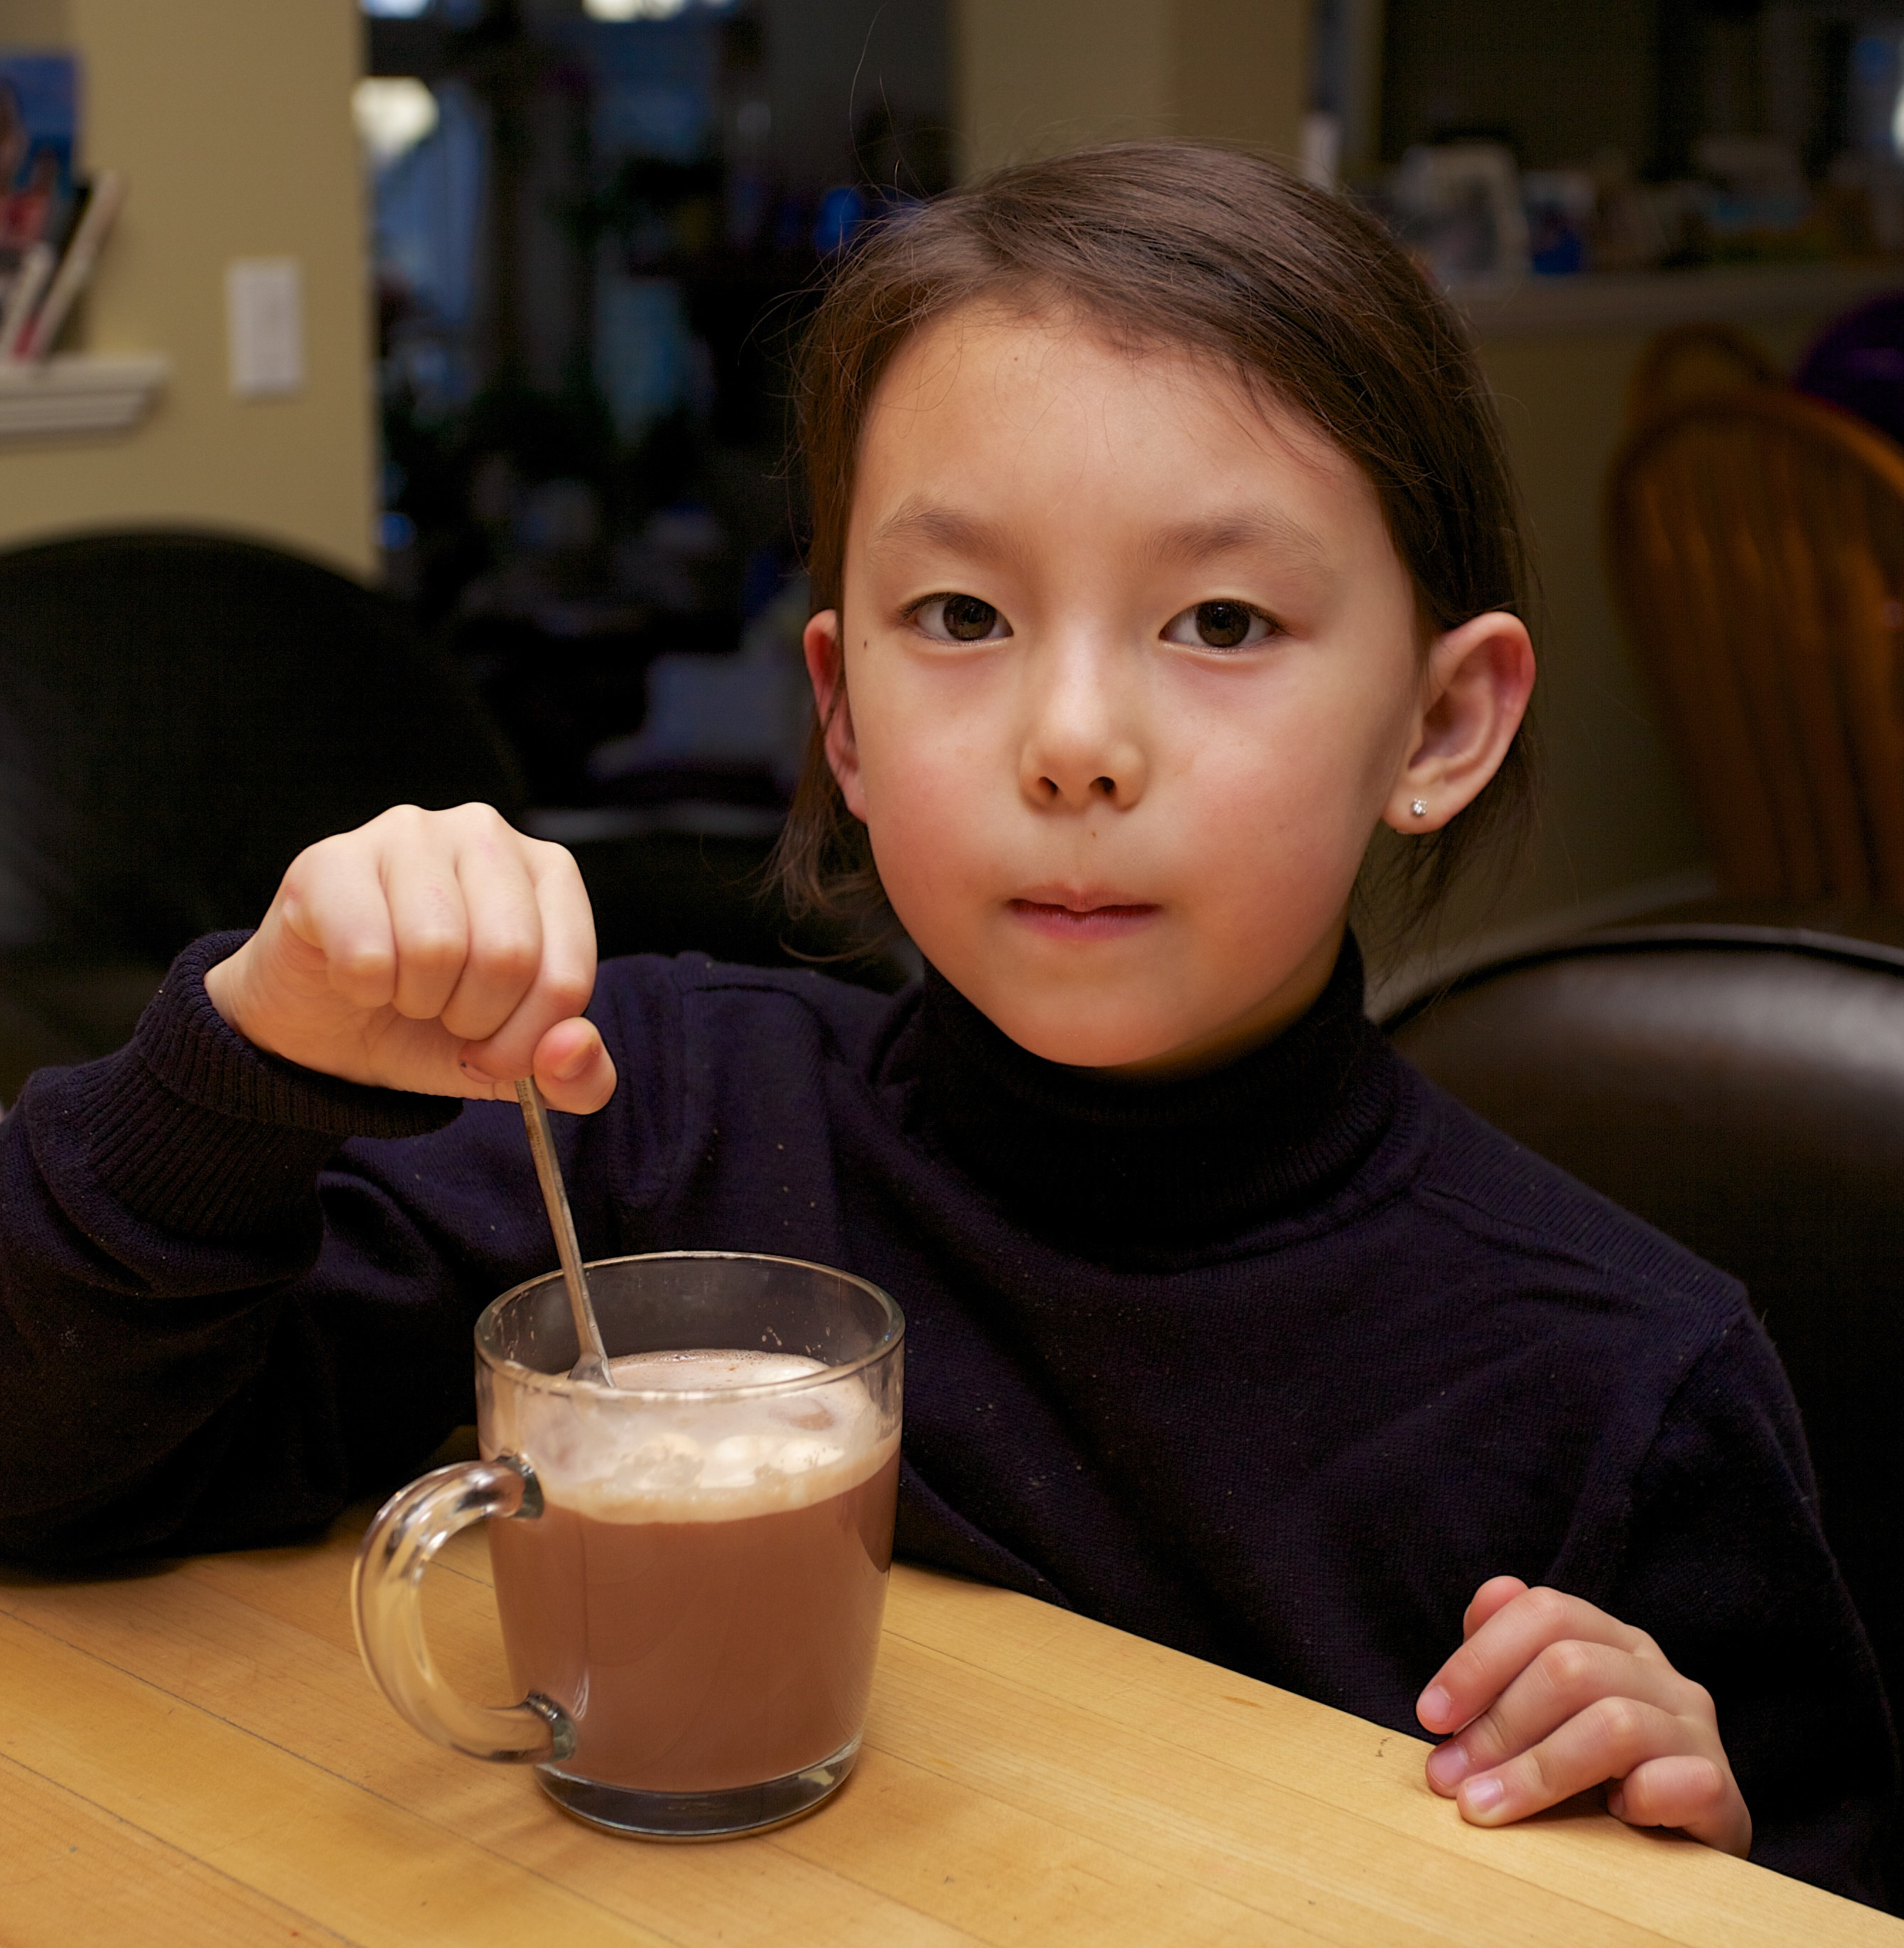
{"points": [[567, 1072], [469, 1069], [1448, 1765], [1434, 1707], [1483, 1795]]}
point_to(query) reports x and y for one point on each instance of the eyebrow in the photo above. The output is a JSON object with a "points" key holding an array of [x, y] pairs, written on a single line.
{"points": [[1191, 542], [1186, 542], [917, 520]]}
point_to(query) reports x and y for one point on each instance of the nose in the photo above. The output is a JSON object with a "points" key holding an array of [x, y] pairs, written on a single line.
{"points": [[1084, 742]]}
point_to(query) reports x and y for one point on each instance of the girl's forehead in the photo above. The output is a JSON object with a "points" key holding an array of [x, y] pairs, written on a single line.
{"points": [[1057, 347], [985, 389]]}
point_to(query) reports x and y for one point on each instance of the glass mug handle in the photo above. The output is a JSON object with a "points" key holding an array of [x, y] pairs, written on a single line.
{"points": [[386, 1594]]}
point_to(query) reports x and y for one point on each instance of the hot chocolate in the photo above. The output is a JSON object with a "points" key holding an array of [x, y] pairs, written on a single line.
{"points": [[702, 1593]]}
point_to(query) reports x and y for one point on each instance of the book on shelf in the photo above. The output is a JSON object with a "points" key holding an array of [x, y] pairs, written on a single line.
{"points": [[52, 223], [39, 124]]}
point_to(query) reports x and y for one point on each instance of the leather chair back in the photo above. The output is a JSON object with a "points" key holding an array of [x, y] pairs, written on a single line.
{"points": [[1742, 1089], [181, 714]]}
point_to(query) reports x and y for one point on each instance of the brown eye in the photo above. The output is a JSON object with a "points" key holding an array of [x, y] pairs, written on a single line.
{"points": [[969, 620], [960, 618], [1219, 626], [1222, 625]]}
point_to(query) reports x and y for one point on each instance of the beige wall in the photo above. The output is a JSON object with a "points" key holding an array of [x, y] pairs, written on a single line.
{"points": [[1032, 76], [231, 120], [1613, 814]]}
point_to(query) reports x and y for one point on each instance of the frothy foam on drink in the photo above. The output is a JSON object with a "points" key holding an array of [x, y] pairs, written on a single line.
{"points": [[622, 1458]]}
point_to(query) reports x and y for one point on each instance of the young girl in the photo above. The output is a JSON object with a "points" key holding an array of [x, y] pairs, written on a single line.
{"points": [[1162, 548]]}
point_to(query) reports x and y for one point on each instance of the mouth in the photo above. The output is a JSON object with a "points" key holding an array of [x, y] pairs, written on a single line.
{"points": [[1063, 915]]}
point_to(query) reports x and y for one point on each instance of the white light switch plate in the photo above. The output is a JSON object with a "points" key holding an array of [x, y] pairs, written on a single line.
{"points": [[264, 308]]}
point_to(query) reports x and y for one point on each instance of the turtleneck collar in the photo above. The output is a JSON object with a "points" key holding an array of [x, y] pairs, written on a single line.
{"points": [[1125, 1161]]}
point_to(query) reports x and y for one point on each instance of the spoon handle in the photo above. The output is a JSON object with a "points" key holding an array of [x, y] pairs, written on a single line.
{"points": [[592, 1364]]}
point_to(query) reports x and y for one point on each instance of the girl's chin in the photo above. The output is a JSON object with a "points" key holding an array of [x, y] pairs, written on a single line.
{"points": [[1078, 1033], [1137, 1026]]}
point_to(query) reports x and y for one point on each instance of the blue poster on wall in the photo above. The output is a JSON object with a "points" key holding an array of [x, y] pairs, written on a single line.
{"points": [[39, 120]]}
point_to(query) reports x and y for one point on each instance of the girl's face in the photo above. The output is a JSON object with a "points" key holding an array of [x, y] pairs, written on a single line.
{"points": [[1132, 671]]}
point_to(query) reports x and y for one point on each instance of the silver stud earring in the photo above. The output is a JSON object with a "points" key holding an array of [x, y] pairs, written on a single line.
{"points": [[1419, 806]]}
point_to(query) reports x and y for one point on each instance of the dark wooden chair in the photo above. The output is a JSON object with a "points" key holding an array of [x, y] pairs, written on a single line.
{"points": [[1755, 544], [1687, 362]]}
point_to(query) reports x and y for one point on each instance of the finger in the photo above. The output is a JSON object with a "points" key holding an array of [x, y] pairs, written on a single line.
{"points": [[428, 917], [1607, 1740], [1505, 1645], [332, 902], [1490, 1599], [1562, 1681], [566, 978], [1692, 1792], [574, 1070], [420, 1057], [504, 923]]}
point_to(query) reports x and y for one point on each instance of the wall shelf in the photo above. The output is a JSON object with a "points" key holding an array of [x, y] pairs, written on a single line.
{"points": [[75, 396], [1603, 304]]}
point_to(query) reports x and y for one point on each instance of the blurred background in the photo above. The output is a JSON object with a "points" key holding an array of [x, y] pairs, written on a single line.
{"points": [[595, 236], [545, 258]]}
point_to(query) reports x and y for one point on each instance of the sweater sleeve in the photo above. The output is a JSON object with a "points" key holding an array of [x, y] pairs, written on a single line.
{"points": [[1728, 1570], [197, 1348]]}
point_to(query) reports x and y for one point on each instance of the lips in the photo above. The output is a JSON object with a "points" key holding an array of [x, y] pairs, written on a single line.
{"points": [[1065, 913]]}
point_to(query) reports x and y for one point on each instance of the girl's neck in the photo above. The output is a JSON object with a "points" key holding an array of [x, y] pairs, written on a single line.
{"points": [[1115, 1163]]}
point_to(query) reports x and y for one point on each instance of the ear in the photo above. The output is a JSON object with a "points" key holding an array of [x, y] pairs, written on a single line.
{"points": [[827, 668], [1473, 694]]}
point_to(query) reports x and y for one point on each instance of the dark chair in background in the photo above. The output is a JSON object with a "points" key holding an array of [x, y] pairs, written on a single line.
{"points": [[181, 714], [1742, 1089], [1755, 543]]}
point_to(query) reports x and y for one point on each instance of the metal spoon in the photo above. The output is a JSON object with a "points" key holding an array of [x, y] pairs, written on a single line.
{"points": [[591, 1370]]}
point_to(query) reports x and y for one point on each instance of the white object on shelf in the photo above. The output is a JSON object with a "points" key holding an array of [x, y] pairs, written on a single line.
{"points": [[74, 395], [23, 294], [264, 299]]}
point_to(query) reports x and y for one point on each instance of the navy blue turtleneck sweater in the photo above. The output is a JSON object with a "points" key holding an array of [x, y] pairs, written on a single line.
{"points": [[1275, 1364]]}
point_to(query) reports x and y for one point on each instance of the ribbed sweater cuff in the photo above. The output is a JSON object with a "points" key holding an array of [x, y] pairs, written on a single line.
{"points": [[194, 1130]]}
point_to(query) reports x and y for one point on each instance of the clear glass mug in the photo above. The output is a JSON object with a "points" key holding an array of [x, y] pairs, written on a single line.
{"points": [[691, 1577]]}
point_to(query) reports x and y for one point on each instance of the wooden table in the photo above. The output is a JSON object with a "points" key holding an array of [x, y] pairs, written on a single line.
{"points": [[195, 1755]]}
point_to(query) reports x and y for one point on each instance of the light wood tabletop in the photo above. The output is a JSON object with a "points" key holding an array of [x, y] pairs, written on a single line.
{"points": [[194, 1755]]}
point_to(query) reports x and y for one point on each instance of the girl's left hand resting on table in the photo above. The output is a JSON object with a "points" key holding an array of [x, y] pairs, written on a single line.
{"points": [[1550, 1696]]}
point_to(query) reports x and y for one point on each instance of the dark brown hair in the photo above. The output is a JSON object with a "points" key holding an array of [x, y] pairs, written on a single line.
{"points": [[1184, 245]]}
